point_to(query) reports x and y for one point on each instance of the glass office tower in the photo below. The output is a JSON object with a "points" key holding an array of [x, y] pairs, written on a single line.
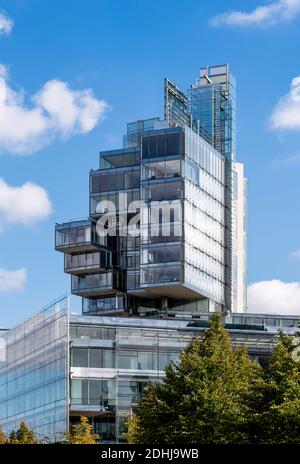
{"points": [[169, 202]]}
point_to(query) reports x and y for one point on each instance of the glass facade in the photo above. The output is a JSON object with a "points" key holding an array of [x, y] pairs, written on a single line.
{"points": [[204, 218], [76, 236], [93, 284], [108, 375], [113, 359], [56, 367], [209, 110], [169, 202], [34, 374], [97, 261]]}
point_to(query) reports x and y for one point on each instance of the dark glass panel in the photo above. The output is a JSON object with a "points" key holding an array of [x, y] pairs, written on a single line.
{"points": [[80, 357]]}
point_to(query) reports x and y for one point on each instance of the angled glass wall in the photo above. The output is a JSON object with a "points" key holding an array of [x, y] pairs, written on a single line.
{"points": [[34, 374], [204, 218]]}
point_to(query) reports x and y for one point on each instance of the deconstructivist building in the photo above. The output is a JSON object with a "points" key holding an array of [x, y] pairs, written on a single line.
{"points": [[173, 202], [164, 245]]}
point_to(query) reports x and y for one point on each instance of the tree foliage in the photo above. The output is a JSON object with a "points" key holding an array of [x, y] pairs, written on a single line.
{"points": [[3, 439], [217, 394], [81, 434], [23, 436], [279, 418]]}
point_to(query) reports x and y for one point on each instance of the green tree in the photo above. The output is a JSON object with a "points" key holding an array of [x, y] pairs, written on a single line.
{"points": [[3, 439], [23, 436], [81, 434], [13, 438], [207, 397], [279, 419]]}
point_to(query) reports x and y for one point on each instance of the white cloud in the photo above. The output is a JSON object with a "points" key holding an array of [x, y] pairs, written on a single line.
{"points": [[6, 24], [24, 205], [286, 114], [269, 15], [3, 71], [56, 111], [274, 297], [12, 280]]}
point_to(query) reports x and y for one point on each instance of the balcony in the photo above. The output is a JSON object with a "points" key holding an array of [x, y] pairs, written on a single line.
{"points": [[98, 306], [114, 180], [97, 284], [164, 280], [163, 168], [78, 236], [91, 262], [162, 190], [161, 274]]}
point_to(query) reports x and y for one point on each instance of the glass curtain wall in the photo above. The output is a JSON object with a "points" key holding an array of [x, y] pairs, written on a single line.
{"points": [[111, 367], [161, 175], [34, 374], [204, 218]]}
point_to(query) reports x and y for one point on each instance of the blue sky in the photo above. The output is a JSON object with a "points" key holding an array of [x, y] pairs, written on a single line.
{"points": [[122, 51]]}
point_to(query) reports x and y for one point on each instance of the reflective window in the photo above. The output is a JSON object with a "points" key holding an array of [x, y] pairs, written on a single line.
{"points": [[128, 360], [92, 333], [98, 305], [161, 254], [93, 357], [94, 392], [162, 191], [92, 281], [80, 357], [114, 180], [144, 360], [158, 274], [160, 145], [161, 169], [96, 259]]}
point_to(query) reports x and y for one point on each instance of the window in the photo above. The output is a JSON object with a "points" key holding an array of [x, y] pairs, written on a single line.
{"points": [[160, 145], [105, 427], [162, 191], [127, 393], [128, 360], [145, 360], [162, 361], [80, 357], [161, 169], [95, 391], [79, 391], [95, 358], [163, 274], [161, 254], [108, 359], [173, 144]]}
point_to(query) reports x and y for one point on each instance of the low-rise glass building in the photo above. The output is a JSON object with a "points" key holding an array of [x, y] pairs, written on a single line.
{"points": [[57, 366]]}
